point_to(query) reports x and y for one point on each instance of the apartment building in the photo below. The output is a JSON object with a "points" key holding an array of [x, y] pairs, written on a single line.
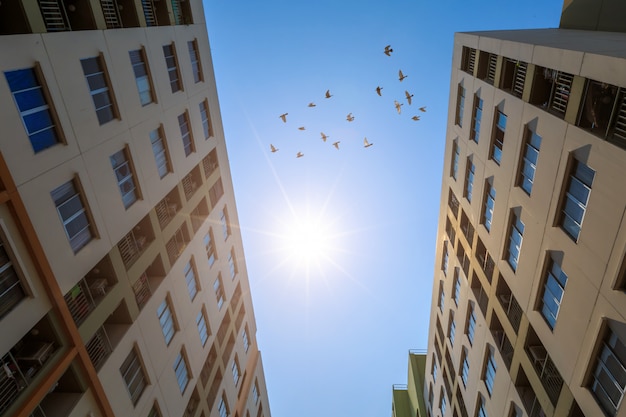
{"points": [[408, 399], [529, 292], [123, 287]]}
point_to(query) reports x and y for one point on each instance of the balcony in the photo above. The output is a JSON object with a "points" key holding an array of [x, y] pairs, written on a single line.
{"points": [[210, 163], [528, 396], [191, 182], [135, 242], [544, 366], [167, 208], [502, 341], [463, 258], [467, 228], [199, 214], [13, 19], [513, 76], [210, 362], [148, 282], [182, 12], [509, 304], [177, 243], [119, 13], [551, 90], [99, 348], [63, 15], [453, 203], [155, 12], [482, 298], [215, 386], [485, 260]]}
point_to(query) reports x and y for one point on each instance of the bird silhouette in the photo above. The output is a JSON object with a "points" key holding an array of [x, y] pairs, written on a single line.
{"points": [[273, 149], [349, 117], [388, 50], [284, 117], [378, 90], [401, 76], [416, 118], [336, 144], [398, 106], [301, 128], [366, 144], [328, 95], [423, 109], [324, 137], [299, 155], [311, 104], [408, 96]]}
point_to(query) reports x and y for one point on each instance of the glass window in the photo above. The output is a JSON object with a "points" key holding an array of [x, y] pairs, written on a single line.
{"points": [[460, 105], [185, 133], [476, 117], [516, 233], [134, 376], [442, 402], [469, 179], [194, 56], [498, 137], [464, 367], [442, 296], [451, 328], [471, 323], [203, 329], [219, 292], [182, 371], [255, 391], [482, 408], [124, 174], [235, 369], [576, 198], [456, 295], [490, 369], [553, 290], [161, 155], [33, 104], [209, 246], [142, 76], [489, 203], [191, 280], [232, 263], [100, 90], [434, 370], [245, 338], [169, 52], [223, 406], [205, 115], [224, 222], [455, 159], [608, 381], [166, 320], [445, 259], [73, 214], [529, 162]]}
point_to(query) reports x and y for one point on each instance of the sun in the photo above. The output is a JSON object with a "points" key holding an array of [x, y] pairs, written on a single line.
{"points": [[308, 241]]}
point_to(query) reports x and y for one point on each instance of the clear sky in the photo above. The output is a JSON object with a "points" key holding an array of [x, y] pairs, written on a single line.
{"points": [[335, 328]]}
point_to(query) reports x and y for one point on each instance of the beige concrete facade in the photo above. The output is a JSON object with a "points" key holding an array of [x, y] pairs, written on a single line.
{"points": [[530, 349], [83, 325]]}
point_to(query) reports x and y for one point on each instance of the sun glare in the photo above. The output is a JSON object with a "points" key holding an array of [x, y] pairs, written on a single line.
{"points": [[307, 241]]}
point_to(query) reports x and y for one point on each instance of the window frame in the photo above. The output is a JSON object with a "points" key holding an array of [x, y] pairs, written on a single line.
{"points": [[145, 78], [191, 279], [567, 195], [182, 373], [137, 366], [89, 230], [528, 168], [209, 246], [167, 320], [489, 369], [460, 105], [129, 176], [470, 327], [451, 328], [232, 264], [186, 133], [470, 176], [161, 152], [224, 221], [173, 71], [11, 272], [456, 155], [456, 286], [497, 136], [477, 111], [489, 203], [606, 347], [196, 64], [551, 284], [218, 288], [513, 248], [202, 324], [205, 116], [464, 367], [106, 89]]}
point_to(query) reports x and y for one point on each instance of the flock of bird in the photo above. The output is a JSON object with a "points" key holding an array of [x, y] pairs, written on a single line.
{"points": [[350, 117]]}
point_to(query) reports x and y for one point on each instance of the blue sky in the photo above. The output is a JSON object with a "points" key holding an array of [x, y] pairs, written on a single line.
{"points": [[335, 330]]}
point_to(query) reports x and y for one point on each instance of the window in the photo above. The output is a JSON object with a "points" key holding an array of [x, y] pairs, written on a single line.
{"points": [[516, 233], [529, 161], [434, 370], [235, 369], [255, 391], [576, 198], [232, 263], [468, 60], [181, 369], [489, 373], [154, 411], [445, 259], [456, 283], [488, 205], [134, 376], [224, 222], [209, 246], [451, 328], [124, 174], [553, 289], [11, 289], [464, 367], [442, 403], [185, 133], [32, 101], [471, 323], [166, 320], [497, 141], [476, 117], [194, 56], [431, 397], [608, 380], [219, 292], [245, 338], [460, 105], [455, 159], [100, 88], [469, 179], [205, 115], [190, 279], [223, 406], [73, 213], [161, 154], [169, 52], [442, 297], [203, 329], [142, 76], [482, 408]]}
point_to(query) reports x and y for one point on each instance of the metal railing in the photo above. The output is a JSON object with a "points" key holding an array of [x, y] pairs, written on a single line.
{"points": [[520, 78], [99, 348], [142, 291], [12, 382], [491, 70], [130, 247], [111, 14], [512, 309], [53, 15], [148, 12], [561, 91], [165, 211], [80, 302]]}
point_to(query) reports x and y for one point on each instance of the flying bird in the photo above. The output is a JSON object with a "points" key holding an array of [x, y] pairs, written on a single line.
{"points": [[336, 144], [324, 137], [398, 106], [328, 95], [311, 104], [301, 128], [284, 117], [349, 117], [299, 155], [423, 109], [366, 144], [388, 50], [416, 118], [378, 90], [408, 96], [401, 76], [273, 149]]}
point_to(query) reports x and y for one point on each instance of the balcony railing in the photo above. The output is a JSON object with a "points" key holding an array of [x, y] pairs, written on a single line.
{"points": [[512, 309], [12, 382], [80, 302], [111, 14], [165, 211], [504, 346], [530, 401], [99, 348], [131, 247], [546, 370], [53, 15], [142, 291]]}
